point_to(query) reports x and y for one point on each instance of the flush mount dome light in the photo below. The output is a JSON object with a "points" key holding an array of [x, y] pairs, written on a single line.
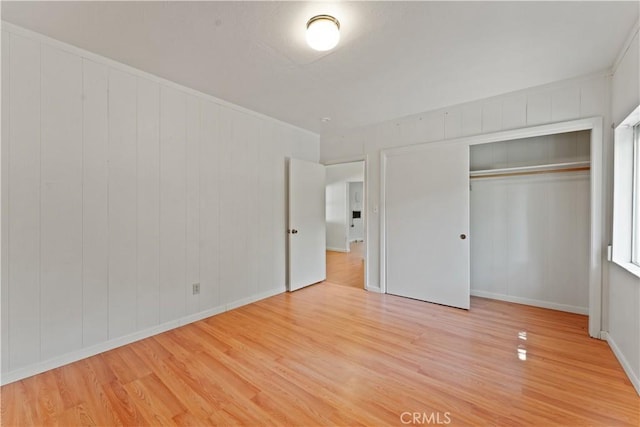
{"points": [[323, 32]]}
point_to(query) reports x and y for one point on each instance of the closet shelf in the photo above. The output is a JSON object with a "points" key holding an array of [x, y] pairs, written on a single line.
{"points": [[531, 170]]}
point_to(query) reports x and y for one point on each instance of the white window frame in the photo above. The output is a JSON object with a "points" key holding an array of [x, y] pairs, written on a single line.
{"points": [[626, 194], [635, 239]]}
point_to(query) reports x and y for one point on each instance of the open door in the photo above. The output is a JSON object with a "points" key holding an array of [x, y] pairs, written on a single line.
{"points": [[427, 223], [307, 235]]}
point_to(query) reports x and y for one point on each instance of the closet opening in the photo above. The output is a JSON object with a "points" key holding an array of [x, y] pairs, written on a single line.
{"points": [[530, 220]]}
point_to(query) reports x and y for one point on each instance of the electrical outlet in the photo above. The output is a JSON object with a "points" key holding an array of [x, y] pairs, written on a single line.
{"points": [[196, 288]]}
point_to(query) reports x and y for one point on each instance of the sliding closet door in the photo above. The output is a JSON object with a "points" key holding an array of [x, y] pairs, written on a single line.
{"points": [[427, 222]]}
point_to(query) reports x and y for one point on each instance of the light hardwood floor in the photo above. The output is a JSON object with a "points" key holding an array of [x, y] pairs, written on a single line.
{"points": [[347, 268], [335, 355]]}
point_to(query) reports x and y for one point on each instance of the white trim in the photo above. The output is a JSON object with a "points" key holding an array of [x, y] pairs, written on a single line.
{"points": [[629, 266], [331, 248], [624, 192], [83, 353], [23, 32], [597, 223], [532, 302], [635, 380], [374, 289]]}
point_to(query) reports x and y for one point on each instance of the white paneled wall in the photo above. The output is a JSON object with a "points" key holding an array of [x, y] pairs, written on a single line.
{"points": [[566, 100], [337, 211], [530, 239], [95, 208], [120, 191], [542, 150], [60, 202], [624, 302], [122, 206]]}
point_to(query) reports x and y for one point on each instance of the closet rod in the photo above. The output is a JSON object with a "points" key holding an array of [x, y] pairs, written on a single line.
{"points": [[537, 172]]}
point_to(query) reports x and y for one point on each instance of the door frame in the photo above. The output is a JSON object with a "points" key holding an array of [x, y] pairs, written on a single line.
{"points": [[365, 207], [597, 223]]}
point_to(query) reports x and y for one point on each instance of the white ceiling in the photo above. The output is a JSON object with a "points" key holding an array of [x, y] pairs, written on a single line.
{"points": [[394, 59]]}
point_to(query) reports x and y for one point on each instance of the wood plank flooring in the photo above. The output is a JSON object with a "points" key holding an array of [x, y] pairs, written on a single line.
{"points": [[347, 268], [335, 355]]}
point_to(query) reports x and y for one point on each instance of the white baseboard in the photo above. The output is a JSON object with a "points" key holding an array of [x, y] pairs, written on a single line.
{"points": [[635, 380], [337, 249], [374, 289], [83, 353], [533, 302]]}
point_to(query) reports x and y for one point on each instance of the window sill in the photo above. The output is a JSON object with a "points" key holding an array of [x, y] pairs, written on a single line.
{"points": [[630, 267]]}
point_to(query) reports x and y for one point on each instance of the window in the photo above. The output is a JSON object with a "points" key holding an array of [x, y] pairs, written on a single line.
{"points": [[626, 194]]}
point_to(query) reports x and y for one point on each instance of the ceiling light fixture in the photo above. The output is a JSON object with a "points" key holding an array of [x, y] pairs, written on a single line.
{"points": [[323, 32]]}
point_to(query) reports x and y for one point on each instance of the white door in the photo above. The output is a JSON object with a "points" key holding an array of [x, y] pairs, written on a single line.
{"points": [[307, 238], [427, 223]]}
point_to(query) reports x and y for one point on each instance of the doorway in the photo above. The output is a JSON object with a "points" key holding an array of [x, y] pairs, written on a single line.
{"points": [[345, 224]]}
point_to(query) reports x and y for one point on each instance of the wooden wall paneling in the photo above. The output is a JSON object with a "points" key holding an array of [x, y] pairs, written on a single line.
{"points": [[525, 152], [560, 275], [527, 269], [565, 103], [255, 210], [210, 162], [265, 197], [583, 145], [95, 220], [122, 203], [472, 120], [483, 263], [592, 94], [408, 131], [481, 157], [530, 238], [240, 201], [193, 203], [489, 239], [432, 127], [491, 116], [24, 203], [280, 207], [453, 124], [4, 215], [539, 108], [148, 210], [227, 188], [173, 185], [61, 202], [514, 112]]}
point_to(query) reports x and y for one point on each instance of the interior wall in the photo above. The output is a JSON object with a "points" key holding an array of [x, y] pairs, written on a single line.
{"points": [[356, 225], [530, 240], [624, 301], [567, 100], [338, 215], [122, 190], [337, 206], [548, 149]]}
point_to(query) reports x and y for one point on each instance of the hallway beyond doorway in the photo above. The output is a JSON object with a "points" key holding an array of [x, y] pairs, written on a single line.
{"points": [[347, 268]]}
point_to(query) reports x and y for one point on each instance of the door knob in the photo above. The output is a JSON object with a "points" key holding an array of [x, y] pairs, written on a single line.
{"points": [[294, 231], [463, 236]]}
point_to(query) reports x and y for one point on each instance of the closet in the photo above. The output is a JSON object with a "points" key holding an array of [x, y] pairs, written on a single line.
{"points": [[514, 215], [530, 220]]}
